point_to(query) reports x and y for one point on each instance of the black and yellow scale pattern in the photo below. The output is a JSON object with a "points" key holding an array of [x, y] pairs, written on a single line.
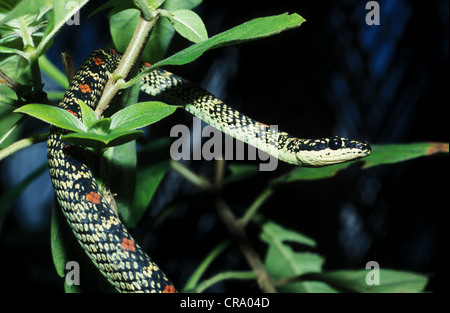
{"points": [[97, 226], [199, 102]]}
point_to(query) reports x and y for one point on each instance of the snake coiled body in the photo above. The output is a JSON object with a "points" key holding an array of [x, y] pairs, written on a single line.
{"points": [[96, 225]]}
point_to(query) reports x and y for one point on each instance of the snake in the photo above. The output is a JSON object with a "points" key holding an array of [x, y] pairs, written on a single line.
{"points": [[96, 224]]}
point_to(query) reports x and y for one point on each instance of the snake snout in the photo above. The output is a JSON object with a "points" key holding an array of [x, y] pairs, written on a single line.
{"points": [[364, 146]]}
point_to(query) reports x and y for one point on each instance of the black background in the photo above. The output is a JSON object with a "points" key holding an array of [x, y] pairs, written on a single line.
{"points": [[333, 75]]}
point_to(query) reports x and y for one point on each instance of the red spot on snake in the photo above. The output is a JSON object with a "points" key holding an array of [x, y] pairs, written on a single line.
{"points": [[128, 244], [84, 88], [72, 112], [146, 64], [113, 51], [97, 61], [169, 289], [66, 150], [93, 197]]}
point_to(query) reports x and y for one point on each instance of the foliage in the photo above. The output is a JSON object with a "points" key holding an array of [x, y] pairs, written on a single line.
{"points": [[28, 28]]}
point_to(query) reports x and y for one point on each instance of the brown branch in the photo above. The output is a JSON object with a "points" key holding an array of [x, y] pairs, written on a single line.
{"points": [[238, 235], [69, 65]]}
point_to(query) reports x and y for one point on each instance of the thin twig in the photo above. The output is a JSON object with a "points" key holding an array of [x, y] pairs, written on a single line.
{"points": [[220, 171], [257, 203], [189, 174], [238, 234], [223, 276], [201, 269], [235, 228], [69, 65]]}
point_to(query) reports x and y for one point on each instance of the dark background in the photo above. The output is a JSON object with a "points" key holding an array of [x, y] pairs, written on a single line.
{"points": [[334, 75]]}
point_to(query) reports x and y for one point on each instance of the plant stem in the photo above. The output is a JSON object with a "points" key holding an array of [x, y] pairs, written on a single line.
{"points": [[198, 273], [223, 276], [238, 234], [18, 145], [189, 175], [220, 171], [254, 207], [235, 228], [145, 10], [36, 72], [131, 55], [33, 57]]}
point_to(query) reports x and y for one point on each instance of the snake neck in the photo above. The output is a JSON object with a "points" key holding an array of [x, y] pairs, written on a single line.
{"points": [[202, 104]]}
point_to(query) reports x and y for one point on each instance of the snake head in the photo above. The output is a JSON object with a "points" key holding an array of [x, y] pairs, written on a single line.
{"points": [[329, 151]]}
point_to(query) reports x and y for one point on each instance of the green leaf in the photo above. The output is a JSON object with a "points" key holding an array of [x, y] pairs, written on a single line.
{"points": [[163, 31], [273, 231], [7, 95], [53, 115], [56, 241], [123, 22], [102, 141], [154, 4], [153, 163], [282, 261], [121, 26], [140, 115], [394, 153], [120, 176], [6, 50], [88, 115], [120, 163], [101, 126], [391, 281], [63, 10], [188, 24], [252, 30], [181, 4], [24, 7], [16, 67], [380, 155]]}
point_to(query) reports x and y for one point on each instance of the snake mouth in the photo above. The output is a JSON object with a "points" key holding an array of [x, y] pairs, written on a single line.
{"points": [[362, 146], [333, 150]]}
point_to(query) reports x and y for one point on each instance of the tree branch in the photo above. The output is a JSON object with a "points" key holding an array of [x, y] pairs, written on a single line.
{"points": [[238, 235]]}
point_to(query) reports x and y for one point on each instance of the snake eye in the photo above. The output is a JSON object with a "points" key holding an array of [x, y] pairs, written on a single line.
{"points": [[335, 143]]}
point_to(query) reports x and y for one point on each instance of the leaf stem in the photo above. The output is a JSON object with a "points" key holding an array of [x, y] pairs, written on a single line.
{"points": [[223, 276], [239, 236], [257, 203], [189, 175], [201, 269]]}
